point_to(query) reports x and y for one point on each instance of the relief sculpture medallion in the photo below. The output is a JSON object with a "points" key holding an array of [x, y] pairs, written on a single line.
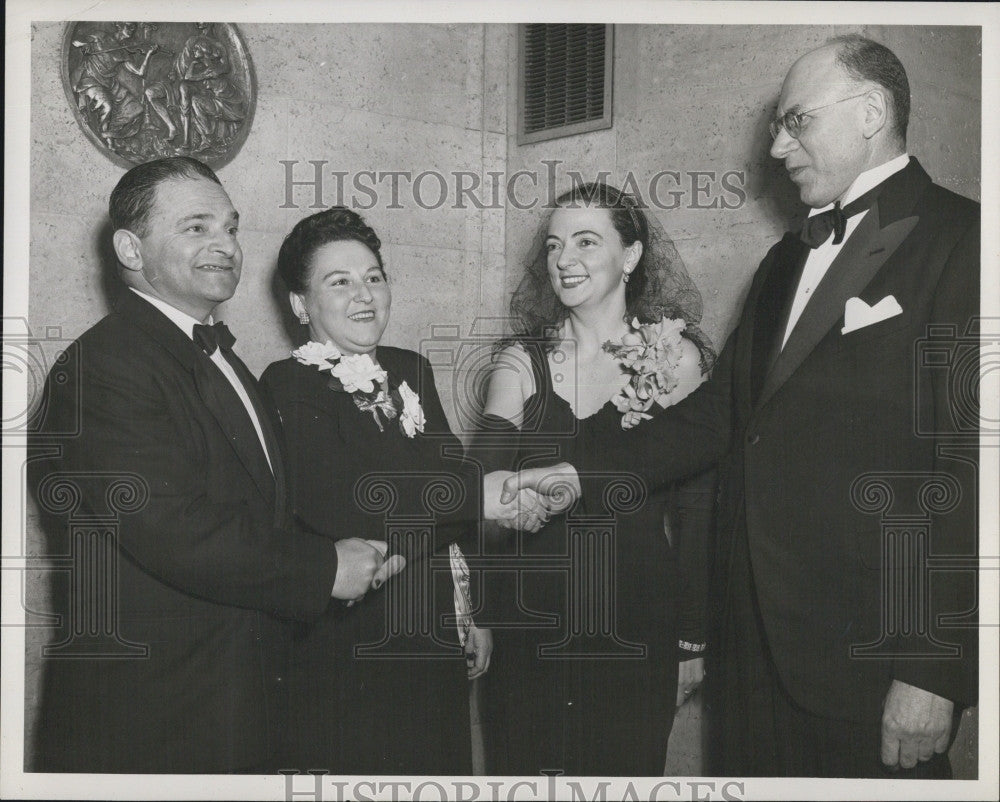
{"points": [[144, 90]]}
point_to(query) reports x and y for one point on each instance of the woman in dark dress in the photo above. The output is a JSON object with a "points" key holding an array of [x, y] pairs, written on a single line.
{"points": [[377, 687], [602, 633]]}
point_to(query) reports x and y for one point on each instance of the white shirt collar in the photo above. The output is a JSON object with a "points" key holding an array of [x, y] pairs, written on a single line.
{"points": [[183, 320], [869, 179]]}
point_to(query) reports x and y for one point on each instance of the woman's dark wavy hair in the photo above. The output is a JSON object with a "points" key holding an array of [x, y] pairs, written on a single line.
{"points": [[658, 287], [336, 224]]}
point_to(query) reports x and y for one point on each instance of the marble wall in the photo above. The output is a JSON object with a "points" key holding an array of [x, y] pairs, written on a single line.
{"points": [[696, 99], [356, 97], [688, 99]]}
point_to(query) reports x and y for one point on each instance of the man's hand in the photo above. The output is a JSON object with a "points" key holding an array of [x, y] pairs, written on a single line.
{"points": [[478, 648], [557, 485], [357, 563], [689, 678], [528, 512], [524, 510], [915, 724]]}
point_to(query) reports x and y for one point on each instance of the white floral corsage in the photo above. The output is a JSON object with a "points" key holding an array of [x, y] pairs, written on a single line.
{"points": [[358, 373], [368, 383], [323, 355], [412, 417], [650, 352]]}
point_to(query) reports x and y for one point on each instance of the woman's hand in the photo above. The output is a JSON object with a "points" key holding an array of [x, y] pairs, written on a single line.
{"points": [[689, 678], [557, 486], [478, 648], [525, 510]]}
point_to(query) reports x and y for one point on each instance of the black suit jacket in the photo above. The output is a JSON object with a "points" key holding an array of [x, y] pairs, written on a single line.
{"points": [[203, 564], [841, 440]]}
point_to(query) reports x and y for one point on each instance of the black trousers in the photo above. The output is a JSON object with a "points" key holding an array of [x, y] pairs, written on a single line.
{"points": [[757, 730]]}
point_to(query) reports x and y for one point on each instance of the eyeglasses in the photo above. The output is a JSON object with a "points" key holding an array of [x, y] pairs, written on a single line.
{"points": [[794, 121]]}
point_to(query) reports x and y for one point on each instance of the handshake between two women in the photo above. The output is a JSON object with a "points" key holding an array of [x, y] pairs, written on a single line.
{"points": [[526, 499], [522, 500]]}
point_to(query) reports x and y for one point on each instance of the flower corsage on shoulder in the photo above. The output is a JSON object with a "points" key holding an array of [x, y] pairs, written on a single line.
{"points": [[650, 354], [368, 384]]}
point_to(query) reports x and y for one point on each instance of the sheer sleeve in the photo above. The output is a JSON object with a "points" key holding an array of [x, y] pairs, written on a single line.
{"points": [[691, 518], [681, 441], [495, 446]]}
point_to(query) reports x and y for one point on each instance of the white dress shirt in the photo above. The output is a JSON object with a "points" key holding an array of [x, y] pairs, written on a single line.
{"points": [[186, 323], [820, 259]]}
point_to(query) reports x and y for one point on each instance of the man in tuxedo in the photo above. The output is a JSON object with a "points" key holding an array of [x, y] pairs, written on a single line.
{"points": [[164, 426], [846, 458]]}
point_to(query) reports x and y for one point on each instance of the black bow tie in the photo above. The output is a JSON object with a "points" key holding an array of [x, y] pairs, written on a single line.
{"points": [[214, 336], [817, 228]]}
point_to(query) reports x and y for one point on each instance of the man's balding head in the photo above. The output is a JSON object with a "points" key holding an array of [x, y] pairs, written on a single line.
{"points": [[835, 120], [867, 60]]}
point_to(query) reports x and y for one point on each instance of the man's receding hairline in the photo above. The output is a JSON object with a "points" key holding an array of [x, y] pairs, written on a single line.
{"points": [[178, 179], [822, 81]]}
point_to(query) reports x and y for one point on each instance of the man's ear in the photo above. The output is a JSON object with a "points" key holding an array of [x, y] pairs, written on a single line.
{"points": [[876, 112], [127, 249]]}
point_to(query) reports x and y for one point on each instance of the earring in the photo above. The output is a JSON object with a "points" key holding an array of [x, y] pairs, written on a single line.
{"points": [[625, 277], [304, 318]]}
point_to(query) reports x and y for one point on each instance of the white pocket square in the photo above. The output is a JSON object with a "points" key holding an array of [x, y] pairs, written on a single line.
{"points": [[858, 314]]}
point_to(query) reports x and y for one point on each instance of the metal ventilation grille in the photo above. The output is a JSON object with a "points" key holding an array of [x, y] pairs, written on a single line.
{"points": [[566, 80]]}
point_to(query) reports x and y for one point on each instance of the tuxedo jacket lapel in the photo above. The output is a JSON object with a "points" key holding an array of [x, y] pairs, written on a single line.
{"points": [[875, 239], [226, 407], [212, 386], [771, 309], [268, 425]]}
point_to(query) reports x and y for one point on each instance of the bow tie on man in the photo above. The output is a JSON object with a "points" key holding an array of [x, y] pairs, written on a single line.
{"points": [[215, 336], [817, 228]]}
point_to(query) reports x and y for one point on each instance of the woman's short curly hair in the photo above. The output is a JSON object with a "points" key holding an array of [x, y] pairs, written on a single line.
{"points": [[336, 224]]}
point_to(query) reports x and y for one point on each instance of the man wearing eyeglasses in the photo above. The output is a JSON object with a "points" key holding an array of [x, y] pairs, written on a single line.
{"points": [[848, 451]]}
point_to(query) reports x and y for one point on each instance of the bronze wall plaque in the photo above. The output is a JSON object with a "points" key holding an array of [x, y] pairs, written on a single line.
{"points": [[144, 90]]}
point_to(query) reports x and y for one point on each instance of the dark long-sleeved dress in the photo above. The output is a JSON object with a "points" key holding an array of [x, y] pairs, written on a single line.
{"points": [[591, 608], [378, 687]]}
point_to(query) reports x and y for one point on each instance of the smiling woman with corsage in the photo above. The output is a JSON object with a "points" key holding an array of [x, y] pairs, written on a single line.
{"points": [[604, 607], [378, 686]]}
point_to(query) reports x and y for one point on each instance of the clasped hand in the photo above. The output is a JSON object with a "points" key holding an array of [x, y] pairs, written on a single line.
{"points": [[526, 500], [523, 500], [916, 724], [362, 565]]}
